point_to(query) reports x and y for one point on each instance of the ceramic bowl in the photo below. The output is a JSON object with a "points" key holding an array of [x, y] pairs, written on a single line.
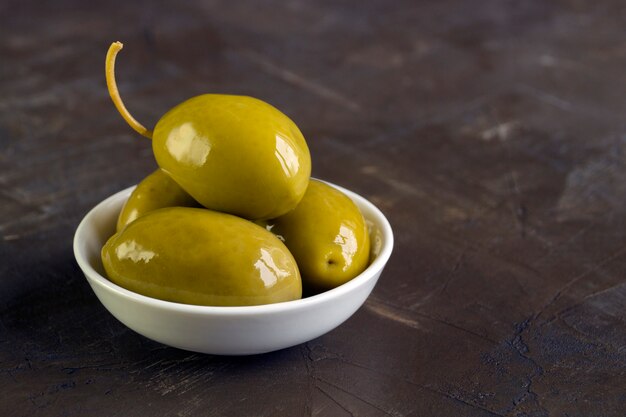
{"points": [[227, 330]]}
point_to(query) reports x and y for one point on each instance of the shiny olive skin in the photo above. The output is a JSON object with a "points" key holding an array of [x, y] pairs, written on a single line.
{"points": [[327, 235], [202, 257], [234, 154], [155, 191]]}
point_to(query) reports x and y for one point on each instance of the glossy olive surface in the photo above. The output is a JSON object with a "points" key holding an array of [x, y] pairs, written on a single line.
{"points": [[234, 154], [202, 257], [327, 235], [155, 191]]}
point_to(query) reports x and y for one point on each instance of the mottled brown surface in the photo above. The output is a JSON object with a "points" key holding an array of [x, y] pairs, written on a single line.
{"points": [[492, 134]]}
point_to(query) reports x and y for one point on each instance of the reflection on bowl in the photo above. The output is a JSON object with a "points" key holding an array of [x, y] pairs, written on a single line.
{"points": [[227, 330]]}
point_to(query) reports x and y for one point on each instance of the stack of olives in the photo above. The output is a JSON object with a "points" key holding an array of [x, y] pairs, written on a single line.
{"points": [[231, 217]]}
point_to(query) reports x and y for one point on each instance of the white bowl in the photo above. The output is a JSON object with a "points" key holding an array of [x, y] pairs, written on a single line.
{"points": [[227, 330]]}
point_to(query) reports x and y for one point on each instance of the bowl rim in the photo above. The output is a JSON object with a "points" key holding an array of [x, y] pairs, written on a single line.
{"points": [[94, 277]]}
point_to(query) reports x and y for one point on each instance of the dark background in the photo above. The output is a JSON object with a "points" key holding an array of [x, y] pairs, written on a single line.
{"points": [[491, 133]]}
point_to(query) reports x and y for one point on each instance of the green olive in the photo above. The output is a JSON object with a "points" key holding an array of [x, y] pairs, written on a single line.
{"points": [[202, 257], [234, 154], [327, 235], [155, 191]]}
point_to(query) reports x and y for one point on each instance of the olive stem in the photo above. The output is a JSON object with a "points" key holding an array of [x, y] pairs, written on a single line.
{"points": [[109, 72]]}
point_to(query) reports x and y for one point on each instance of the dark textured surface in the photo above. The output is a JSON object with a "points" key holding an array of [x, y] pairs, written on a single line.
{"points": [[492, 134]]}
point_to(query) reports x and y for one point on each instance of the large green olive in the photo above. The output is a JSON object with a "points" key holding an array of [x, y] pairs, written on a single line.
{"points": [[202, 257], [234, 154], [327, 235], [155, 191]]}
